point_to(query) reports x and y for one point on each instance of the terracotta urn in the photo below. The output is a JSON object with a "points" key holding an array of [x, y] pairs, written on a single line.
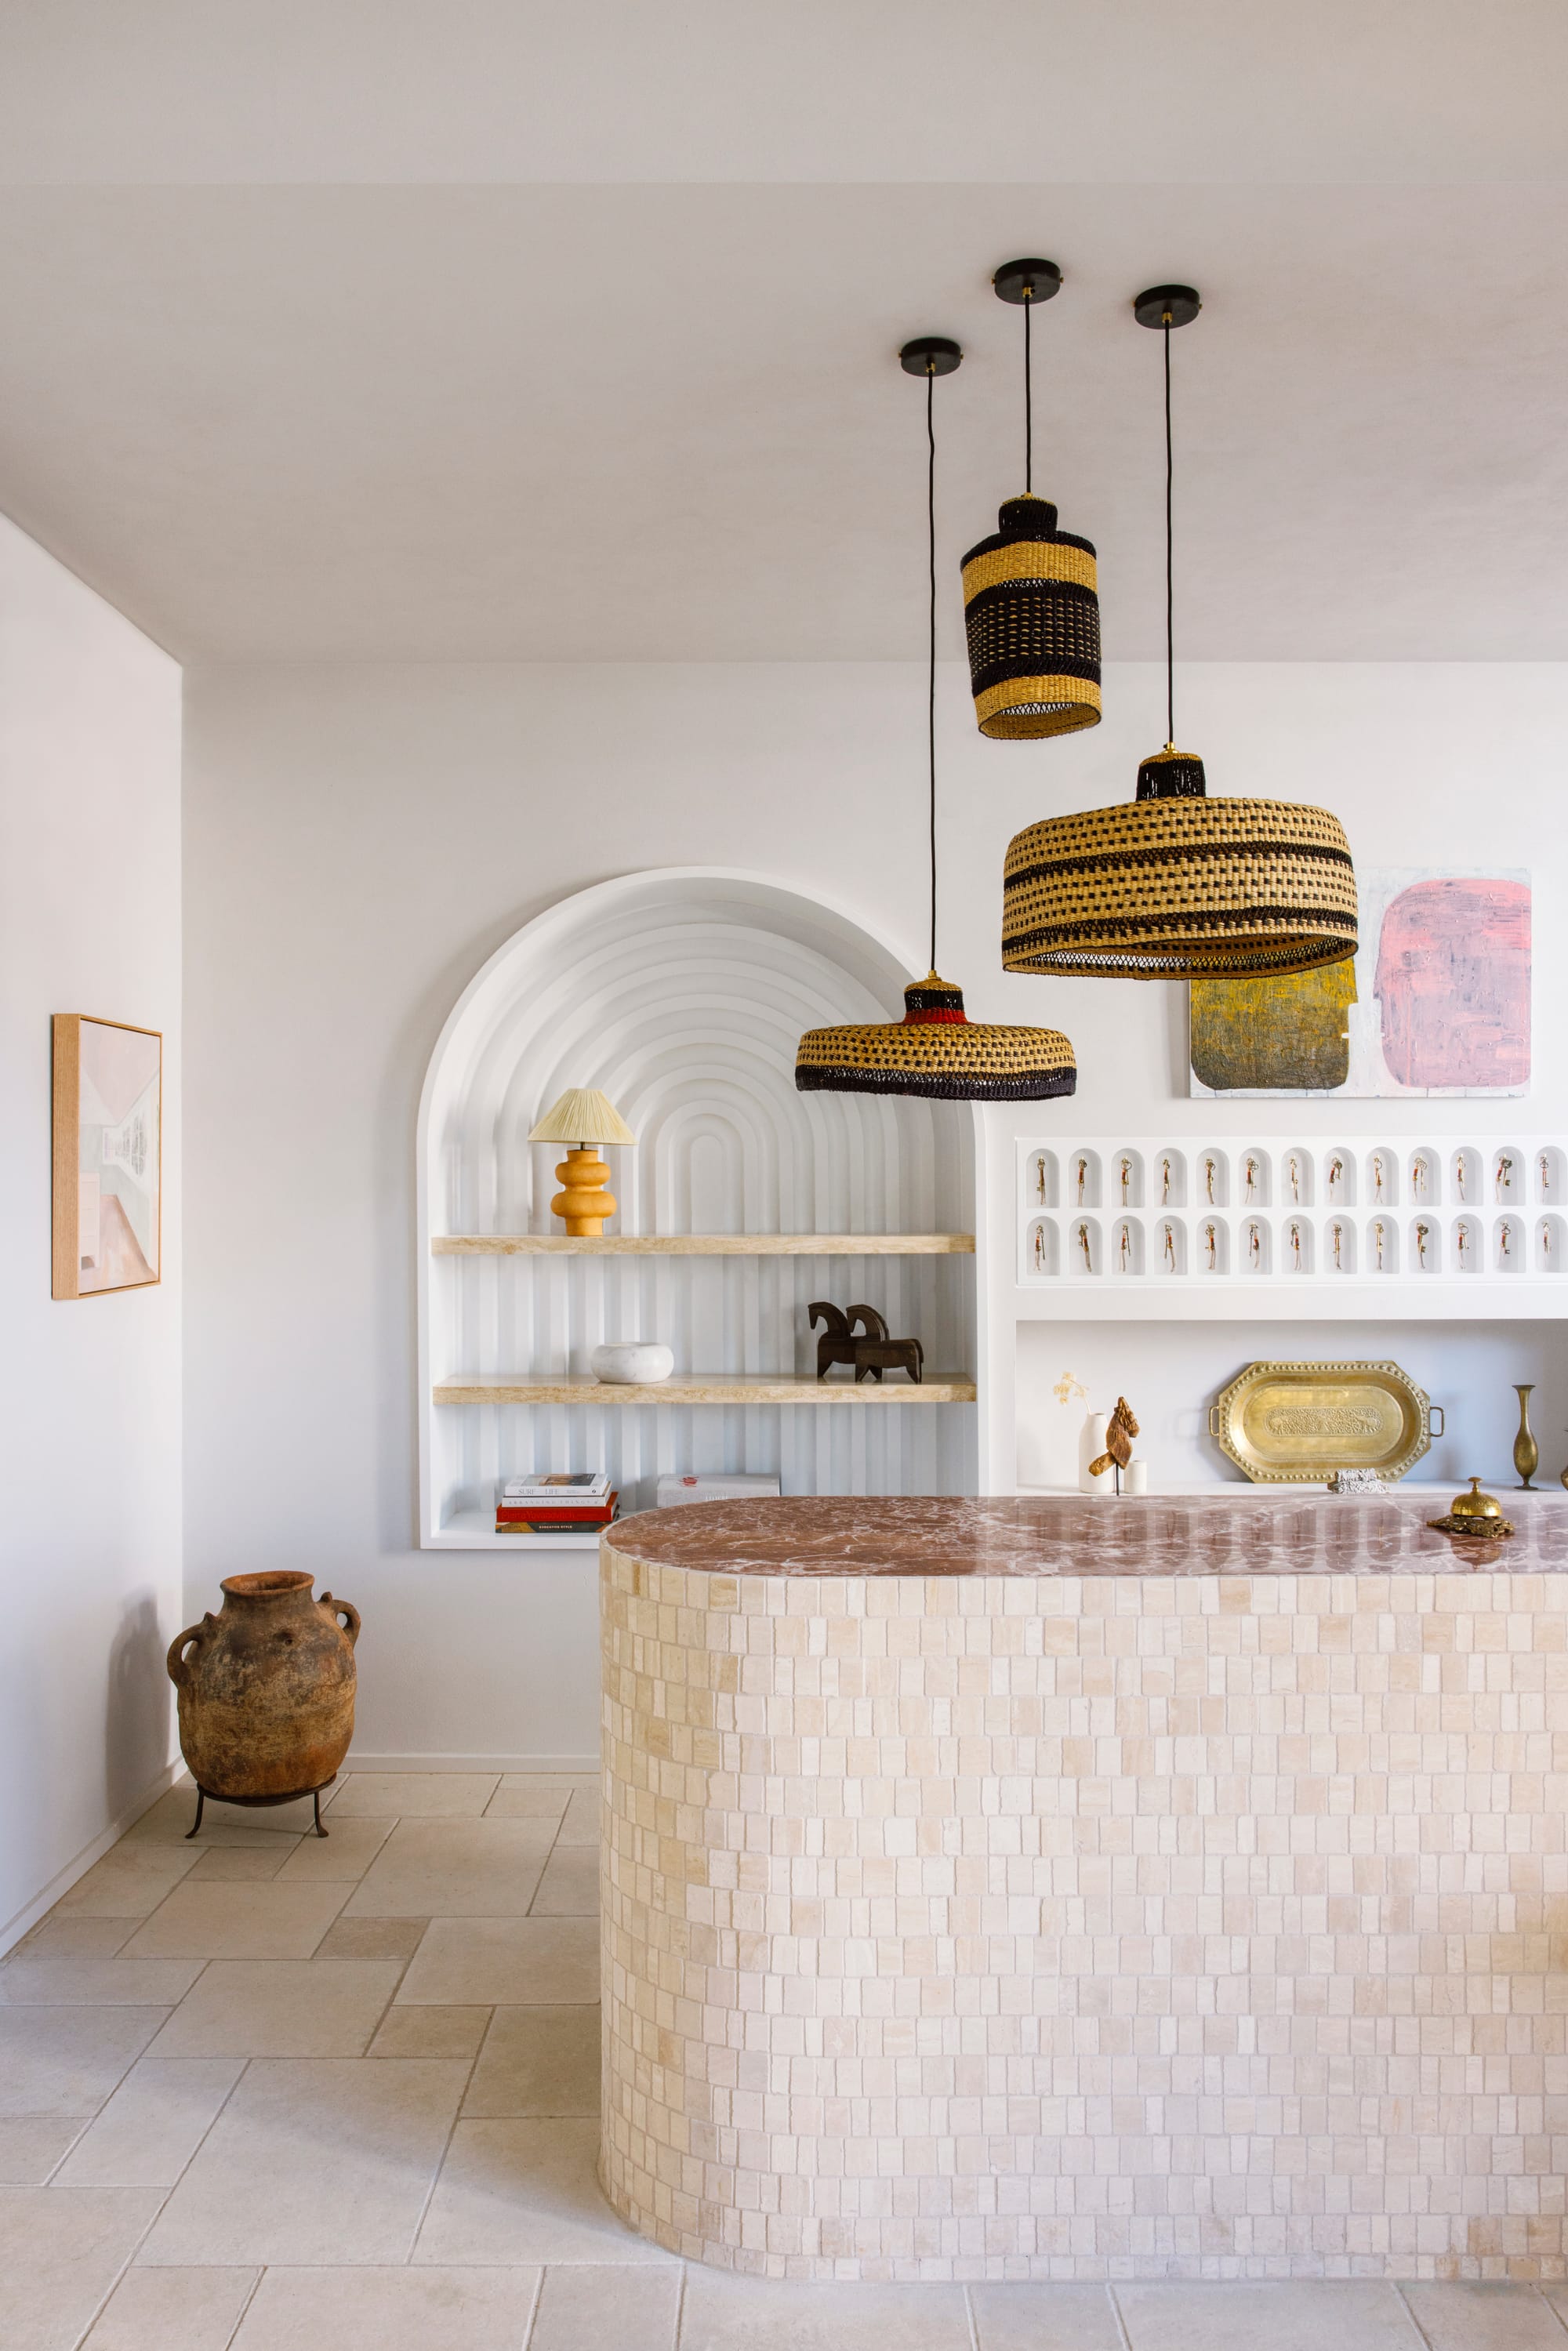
{"points": [[266, 1690]]}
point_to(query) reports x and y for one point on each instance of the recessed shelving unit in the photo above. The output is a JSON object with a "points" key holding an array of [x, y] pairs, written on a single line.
{"points": [[682, 995]]}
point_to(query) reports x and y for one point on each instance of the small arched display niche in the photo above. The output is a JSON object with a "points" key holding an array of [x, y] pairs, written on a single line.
{"points": [[681, 994]]}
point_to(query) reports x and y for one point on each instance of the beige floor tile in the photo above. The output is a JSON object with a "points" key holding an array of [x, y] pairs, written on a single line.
{"points": [[570, 1887], [611, 2307], [1045, 2318], [454, 1869], [237, 1922], [580, 1825], [415, 1795], [737, 2314], [321, 2161], [281, 2007], [393, 2309], [153, 2124], [127, 1883], [1463, 2317], [431, 2033], [490, 1962], [525, 2192], [172, 2310], [536, 2060], [173, 1815], [66, 1980], [61, 2249], [346, 1851], [229, 1863], [62, 1932], [371, 1939], [1302, 2315], [528, 1796], [59, 2062], [29, 2151]]}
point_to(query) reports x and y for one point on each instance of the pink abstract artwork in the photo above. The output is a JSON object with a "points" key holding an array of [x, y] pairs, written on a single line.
{"points": [[1453, 984]]}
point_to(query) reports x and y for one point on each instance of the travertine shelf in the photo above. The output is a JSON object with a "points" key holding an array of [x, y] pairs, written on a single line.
{"points": [[702, 1387], [1044, 1888], [705, 1244]]}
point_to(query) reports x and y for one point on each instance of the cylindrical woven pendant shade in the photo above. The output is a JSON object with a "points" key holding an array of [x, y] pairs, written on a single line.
{"points": [[1032, 610], [1176, 888], [937, 1050]]}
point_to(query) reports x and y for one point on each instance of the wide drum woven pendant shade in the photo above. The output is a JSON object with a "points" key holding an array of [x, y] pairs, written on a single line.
{"points": [[1179, 888], [937, 1050], [1032, 610]]}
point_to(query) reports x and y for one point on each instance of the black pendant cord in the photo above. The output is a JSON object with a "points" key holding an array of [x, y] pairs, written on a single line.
{"points": [[1170, 593], [1029, 395], [931, 693]]}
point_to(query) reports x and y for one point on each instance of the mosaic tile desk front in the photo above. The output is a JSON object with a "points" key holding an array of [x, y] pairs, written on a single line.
{"points": [[1068, 1920]]}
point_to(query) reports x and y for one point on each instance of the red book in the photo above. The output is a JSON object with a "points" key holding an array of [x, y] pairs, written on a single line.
{"points": [[556, 1514]]}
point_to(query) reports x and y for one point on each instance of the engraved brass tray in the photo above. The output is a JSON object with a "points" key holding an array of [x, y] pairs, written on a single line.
{"points": [[1296, 1424]]}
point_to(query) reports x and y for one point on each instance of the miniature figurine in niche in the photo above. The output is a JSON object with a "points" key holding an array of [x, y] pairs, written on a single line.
{"points": [[1120, 1431], [1337, 1235], [1170, 1249], [1462, 1244], [1083, 1179], [1295, 1249], [1336, 1174], [1210, 1246], [1419, 1175], [1504, 1176], [1377, 1176], [1209, 1179], [1461, 1178], [1127, 1179], [1251, 1179], [1423, 1234], [1545, 1177], [1165, 1183], [1295, 1180], [1083, 1245], [1504, 1244], [1124, 1250], [1545, 1245], [1039, 1249], [870, 1351], [1040, 1180], [1377, 1236], [1255, 1248]]}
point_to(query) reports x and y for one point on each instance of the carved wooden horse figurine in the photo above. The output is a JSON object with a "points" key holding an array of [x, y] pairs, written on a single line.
{"points": [[837, 1346], [876, 1353]]}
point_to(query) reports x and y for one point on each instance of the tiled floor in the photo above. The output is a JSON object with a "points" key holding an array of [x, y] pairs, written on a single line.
{"points": [[286, 2095]]}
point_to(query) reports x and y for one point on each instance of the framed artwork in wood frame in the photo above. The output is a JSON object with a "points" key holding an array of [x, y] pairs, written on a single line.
{"points": [[108, 1156]]}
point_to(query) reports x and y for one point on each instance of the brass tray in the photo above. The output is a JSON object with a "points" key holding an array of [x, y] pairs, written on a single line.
{"points": [[1296, 1424]]}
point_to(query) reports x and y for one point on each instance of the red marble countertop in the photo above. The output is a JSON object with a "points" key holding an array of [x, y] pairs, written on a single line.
{"points": [[1257, 1531]]}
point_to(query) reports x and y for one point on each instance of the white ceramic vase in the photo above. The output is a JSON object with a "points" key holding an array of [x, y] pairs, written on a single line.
{"points": [[633, 1362], [1091, 1446]]}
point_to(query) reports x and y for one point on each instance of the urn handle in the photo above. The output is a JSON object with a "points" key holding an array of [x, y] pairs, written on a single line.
{"points": [[343, 1608], [176, 1660]]}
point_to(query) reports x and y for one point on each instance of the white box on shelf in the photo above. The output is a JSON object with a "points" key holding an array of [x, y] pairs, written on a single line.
{"points": [[721, 1486]]}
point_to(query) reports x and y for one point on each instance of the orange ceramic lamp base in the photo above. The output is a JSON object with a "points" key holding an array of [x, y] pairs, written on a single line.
{"points": [[583, 1202]]}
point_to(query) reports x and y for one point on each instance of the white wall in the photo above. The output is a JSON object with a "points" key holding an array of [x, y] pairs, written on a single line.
{"points": [[89, 1389], [359, 839]]}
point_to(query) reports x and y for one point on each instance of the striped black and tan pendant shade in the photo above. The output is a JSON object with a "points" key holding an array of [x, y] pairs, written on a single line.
{"points": [[937, 1050], [1031, 593], [1032, 612], [1174, 885]]}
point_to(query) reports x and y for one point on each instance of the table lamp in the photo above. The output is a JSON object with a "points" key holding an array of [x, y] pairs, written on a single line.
{"points": [[584, 1118]]}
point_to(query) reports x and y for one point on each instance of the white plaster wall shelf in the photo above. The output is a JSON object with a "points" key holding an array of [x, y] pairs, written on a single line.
{"points": [[681, 994]]}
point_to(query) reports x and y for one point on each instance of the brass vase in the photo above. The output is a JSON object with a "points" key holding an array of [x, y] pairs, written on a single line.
{"points": [[1526, 1452]]}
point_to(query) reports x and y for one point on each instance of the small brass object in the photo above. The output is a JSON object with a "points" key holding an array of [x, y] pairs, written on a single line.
{"points": [[1475, 1504]]}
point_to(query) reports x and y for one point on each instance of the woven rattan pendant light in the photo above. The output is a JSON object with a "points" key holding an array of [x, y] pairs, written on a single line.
{"points": [[1174, 885], [1031, 603], [935, 1050]]}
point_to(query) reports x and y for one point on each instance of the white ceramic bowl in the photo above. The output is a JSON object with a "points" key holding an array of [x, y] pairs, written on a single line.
{"points": [[633, 1362]]}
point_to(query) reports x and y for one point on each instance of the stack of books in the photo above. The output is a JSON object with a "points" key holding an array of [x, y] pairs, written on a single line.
{"points": [[563, 1501]]}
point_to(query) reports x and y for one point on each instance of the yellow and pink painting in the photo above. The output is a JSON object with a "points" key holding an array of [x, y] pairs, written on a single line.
{"points": [[1436, 1002], [107, 1187]]}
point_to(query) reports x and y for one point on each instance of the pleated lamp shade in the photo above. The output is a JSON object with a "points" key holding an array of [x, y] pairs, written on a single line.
{"points": [[582, 1116], [1174, 885], [1031, 611], [936, 1050]]}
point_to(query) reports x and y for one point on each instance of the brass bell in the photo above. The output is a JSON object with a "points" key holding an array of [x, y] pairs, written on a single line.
{"points": [[1475, 1504]]}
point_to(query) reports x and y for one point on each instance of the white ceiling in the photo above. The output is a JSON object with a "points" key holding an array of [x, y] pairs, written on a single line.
{"points": [[629, 391]]}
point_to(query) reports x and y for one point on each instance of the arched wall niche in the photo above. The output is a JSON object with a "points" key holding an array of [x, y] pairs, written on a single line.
{"points": [[681, 993]]}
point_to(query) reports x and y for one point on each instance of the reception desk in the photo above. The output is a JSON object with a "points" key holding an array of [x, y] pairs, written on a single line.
{"points": [[1062, 1889]]}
